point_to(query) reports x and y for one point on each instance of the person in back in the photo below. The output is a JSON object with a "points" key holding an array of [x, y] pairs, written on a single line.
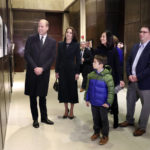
{"points": [[100, 94], [106, 48], [118, 46], [86, 64]]}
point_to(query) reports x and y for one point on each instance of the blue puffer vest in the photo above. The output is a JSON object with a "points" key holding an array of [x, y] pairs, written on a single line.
{"points": [[97, 92]]}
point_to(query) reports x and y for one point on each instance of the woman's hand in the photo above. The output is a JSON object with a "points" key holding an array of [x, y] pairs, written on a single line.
{"points": [[122, 84], [57, 75], [76, 76]]}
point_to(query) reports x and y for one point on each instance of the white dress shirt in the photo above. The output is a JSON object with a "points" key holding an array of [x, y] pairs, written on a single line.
{"points": [[44, 37], [139, 53], [82, 53]]}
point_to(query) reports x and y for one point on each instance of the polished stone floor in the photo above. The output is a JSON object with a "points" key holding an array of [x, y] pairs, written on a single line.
{"points": [[65, 134]]}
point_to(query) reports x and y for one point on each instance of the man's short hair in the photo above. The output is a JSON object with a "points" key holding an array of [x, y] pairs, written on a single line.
{"points": [[145, 26], [46, 22], [101, 59]]}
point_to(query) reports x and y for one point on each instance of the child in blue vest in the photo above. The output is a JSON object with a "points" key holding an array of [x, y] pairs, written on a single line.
{"points": [[100, 93]]}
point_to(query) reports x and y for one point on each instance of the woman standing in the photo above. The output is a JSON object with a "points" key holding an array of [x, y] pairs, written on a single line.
{"points": [[107, 49], [67, 71]]}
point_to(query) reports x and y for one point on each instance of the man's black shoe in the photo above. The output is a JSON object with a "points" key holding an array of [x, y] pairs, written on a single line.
{"points": [[47, 121], [35, 124]]}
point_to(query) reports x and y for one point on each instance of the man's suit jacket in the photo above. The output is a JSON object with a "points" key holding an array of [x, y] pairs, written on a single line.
{"points": [[37, 55], [142, 68], [86, 67]]}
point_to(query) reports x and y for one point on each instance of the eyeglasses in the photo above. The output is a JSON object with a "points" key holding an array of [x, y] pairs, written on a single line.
{"points": [[144, 32]]}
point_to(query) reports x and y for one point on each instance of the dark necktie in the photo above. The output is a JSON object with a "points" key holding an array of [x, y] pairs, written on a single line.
{"points": [[41, 41]]}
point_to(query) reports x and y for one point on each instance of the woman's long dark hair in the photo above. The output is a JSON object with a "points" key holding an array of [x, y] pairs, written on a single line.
{"points": [[109, 37], [74, 34]]}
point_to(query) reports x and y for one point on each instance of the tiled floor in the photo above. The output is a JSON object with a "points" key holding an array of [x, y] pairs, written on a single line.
{"points": [[65, 134]]}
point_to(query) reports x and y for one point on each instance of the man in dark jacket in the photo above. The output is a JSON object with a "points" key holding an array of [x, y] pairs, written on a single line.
{"points": [[86, 64], [39, 55], [138, 72]]}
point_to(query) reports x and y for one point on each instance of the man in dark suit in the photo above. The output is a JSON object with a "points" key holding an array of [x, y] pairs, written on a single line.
{"points": [[86, 64], [39, 55], [138, 72]]}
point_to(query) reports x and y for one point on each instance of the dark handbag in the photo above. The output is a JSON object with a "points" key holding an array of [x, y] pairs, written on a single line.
{"points": [[56, 85]]}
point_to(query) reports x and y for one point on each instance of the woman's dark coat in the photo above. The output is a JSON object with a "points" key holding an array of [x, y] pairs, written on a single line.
{"points": [[37, 55], [67, 65], [112, 60]]}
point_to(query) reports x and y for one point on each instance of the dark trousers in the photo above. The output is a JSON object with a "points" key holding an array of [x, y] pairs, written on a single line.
{"points": [[114, 109], [133, 94], [100, 120], [84, 75], [34, 109]]}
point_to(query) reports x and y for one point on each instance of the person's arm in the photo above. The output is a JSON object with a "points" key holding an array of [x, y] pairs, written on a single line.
{"points": [[78, 59], [117, 64], [129, 65], [88, 58], [143, 74], [110, 85], [48, 64], [86, 94], [117, 67], [27, 54], [130, 60], [58, 59]]}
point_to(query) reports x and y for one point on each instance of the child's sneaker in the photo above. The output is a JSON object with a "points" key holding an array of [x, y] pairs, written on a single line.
{"points": [[94, 136], [103, 140]]}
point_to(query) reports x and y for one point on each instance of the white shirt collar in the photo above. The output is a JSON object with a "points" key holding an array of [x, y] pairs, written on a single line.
{"points": [[144, 44], [100, 71], [44, 37]]}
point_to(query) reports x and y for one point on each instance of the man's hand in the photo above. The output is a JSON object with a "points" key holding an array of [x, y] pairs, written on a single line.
{"points": [[82, 59], [38, 71], [76, 76], [133, 78], [57, 75], [130, 78]]}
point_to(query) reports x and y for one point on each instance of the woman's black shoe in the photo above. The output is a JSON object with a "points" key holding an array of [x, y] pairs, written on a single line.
{"points": [[71, 117], [65, 117]]}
